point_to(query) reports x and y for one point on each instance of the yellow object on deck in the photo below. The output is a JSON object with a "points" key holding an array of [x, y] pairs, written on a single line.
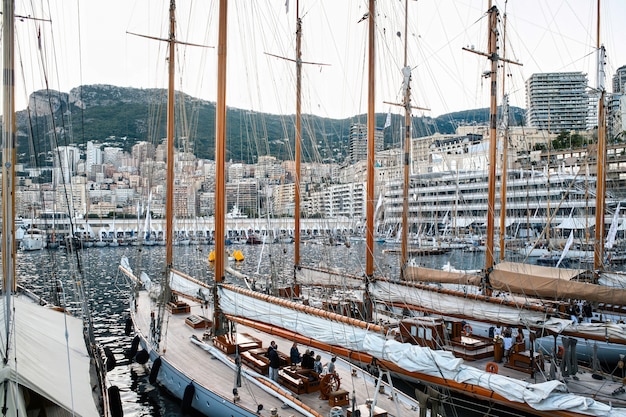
{"points": [[212, 256]]}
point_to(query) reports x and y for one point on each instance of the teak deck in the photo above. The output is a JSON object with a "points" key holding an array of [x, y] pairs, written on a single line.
{"points": [[205, 370]]}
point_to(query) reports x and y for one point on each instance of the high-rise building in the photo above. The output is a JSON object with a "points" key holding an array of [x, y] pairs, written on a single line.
{"points": [[93, 156], [617, 105], [66, 159], [619, 80], [358, 142], [557, 101]]}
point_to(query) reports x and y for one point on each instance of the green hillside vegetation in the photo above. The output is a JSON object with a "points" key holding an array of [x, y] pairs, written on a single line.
{"points": [[121, 117]]}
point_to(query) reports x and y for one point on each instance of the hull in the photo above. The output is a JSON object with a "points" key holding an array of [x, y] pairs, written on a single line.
{"points": [[33, 241], [193, 357], [205, 401]]}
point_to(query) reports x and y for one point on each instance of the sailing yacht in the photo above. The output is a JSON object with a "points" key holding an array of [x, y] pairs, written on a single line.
{"points": [[203, 355], [442, 334], [49, 362]]}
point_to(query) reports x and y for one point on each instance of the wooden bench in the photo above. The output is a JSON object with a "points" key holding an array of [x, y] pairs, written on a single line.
{"points": [[294, 383], [258, 363], [521, 361], [179, 307], [229, 343], [300, 381]]}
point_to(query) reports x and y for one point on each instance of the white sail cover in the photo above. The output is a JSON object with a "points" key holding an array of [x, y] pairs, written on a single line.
{"points": [[43, 361], [307, 275], [387, 291], [544, 396], [183, 284]]}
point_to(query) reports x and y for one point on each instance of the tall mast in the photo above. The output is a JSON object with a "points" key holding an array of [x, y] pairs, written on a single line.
{"points": [[493, 108], [598, 253], [371, 130], [406, 103], [169, 196], [296, 221], [8, 158], [220, 160], [505, 146], [493, 56], [407, 147]]}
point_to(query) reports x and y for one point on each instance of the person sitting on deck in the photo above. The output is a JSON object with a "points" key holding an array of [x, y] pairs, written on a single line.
{"points": [[317, 365]]}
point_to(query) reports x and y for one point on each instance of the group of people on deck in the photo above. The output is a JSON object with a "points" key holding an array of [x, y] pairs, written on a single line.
{"points": [[580, 311], [309, 360]]}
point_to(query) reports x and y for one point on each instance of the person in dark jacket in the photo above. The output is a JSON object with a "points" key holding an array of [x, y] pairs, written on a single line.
{"points": [[587, 312], [308, 360], [294, 355], [272, 353]]}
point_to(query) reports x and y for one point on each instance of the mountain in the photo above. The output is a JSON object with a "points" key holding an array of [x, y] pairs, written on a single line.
{"points": [[122, 116]]}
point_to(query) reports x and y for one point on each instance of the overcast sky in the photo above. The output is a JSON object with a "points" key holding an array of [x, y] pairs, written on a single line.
{"points": [[92, 46]]}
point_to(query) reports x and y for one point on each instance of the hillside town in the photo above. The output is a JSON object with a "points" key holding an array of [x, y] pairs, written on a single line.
{"points": [[101, 181]]}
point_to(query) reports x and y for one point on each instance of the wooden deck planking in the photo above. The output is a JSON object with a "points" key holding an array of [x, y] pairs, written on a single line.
{"points": [[210, 372]]}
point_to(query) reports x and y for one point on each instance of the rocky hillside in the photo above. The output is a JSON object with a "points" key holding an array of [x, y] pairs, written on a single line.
{"points": [[122, 116]]}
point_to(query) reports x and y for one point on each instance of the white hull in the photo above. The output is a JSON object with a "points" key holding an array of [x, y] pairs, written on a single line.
{"points": [[32, 242]]}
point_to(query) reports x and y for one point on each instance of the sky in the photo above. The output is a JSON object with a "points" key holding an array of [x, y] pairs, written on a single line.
{"points": [[88, 42]]}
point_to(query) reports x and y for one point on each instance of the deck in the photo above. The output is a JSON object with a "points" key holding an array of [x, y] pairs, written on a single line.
{"points": [[206, 371]]}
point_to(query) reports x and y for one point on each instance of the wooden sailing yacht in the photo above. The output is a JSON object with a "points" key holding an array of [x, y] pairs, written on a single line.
{"points": [[452, 338], [47, 355], [190, 338]]}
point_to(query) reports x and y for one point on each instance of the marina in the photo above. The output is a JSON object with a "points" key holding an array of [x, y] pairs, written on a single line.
{"points": [[473, 274], [108, 294]]}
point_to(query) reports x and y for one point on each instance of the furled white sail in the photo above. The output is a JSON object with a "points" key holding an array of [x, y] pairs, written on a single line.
{"points": [[550, 395], [490, 312]]}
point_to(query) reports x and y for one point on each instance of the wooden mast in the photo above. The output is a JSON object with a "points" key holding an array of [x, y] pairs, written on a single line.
{"points": [[298, 139], [8, 159], [598, 253], [493, 56], [505, 146], [407, 149], [493, 107], [406, 103], [169, 196], [371, 130], [220, 161]]}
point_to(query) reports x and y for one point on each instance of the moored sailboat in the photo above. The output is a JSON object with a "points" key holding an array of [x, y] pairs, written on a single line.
{"points": [[457, 336], [203, 358], [50, 363]]}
